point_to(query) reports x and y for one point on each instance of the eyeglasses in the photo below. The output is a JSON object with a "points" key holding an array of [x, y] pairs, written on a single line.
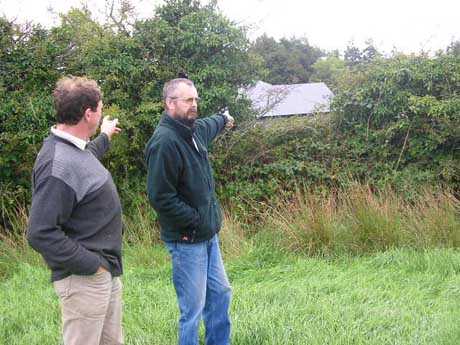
{"points": [[187, 100]]}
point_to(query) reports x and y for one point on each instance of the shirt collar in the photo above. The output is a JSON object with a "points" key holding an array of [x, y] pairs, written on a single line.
{"points": [[80, 143]]}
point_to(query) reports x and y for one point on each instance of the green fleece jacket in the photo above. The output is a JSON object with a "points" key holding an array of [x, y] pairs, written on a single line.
{"points": [[180, 184]]}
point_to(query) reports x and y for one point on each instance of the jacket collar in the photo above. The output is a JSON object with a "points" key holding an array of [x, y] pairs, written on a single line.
{"points": [[180, 128]]}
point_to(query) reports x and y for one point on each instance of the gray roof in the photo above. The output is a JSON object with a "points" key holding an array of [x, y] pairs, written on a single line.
{"points": [[295, 99]]}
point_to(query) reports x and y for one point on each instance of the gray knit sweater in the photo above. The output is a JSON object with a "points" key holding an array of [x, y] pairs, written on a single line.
{"points": [[75, 217]]}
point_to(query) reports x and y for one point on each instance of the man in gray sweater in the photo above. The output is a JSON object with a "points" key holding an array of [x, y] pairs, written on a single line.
{"points": [[75, 218]]}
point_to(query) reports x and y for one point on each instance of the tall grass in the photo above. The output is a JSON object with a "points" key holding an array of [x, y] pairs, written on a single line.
{"points": [[233, 238], [352, 221], [13, 243], [140, 226], [357, 220]]}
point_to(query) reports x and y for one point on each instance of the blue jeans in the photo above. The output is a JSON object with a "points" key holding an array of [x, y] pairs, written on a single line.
{"points": [[202, 289]]}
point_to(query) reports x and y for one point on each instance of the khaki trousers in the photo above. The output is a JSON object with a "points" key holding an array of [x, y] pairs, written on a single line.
{"points": [[91, 309]]}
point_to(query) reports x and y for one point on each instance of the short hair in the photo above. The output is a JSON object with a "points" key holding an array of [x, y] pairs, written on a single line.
{"points": [[171, 86], [72, 96]]}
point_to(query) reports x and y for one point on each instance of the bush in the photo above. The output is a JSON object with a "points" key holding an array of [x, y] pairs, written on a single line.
{"points": [[403, 114], [395, 122]]}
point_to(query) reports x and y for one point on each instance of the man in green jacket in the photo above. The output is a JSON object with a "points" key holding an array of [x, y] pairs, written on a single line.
{"points": [[181, 189]]}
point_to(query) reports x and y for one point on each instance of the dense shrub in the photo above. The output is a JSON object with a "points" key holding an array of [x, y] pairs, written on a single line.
{"points": [[403, 114], [396, 122]]}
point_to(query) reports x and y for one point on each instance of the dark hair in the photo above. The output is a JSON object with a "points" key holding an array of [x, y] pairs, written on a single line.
{"points": [[172, 85], [72, 96]]}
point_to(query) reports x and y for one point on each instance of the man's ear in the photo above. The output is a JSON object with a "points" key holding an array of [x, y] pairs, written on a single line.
{"points": [[169, 103], [87, 114]]}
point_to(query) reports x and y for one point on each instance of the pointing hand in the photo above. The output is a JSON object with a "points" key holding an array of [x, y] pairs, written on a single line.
{"points": [[109, 127]]}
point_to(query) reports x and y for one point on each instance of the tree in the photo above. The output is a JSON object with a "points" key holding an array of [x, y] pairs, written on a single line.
{"points": [[328, 71], [354, 56], [288, 61], [187, 37], [454, 48]]}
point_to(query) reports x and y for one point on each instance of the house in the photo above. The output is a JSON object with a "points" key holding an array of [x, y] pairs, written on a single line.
{"points": [[284, 100]]}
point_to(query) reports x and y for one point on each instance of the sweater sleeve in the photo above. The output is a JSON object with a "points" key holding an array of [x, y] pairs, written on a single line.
{"points": [[99, 146], [208, 128], [164, 167], [52, 205]]}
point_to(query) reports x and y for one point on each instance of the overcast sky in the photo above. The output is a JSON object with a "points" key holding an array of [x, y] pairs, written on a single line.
{"points": [[406, 25]]}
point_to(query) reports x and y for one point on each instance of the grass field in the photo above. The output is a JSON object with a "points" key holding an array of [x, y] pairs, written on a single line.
{"points": [[394, 297], [313, 269]]}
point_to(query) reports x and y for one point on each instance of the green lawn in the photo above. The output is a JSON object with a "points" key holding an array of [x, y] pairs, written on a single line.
{"points": [[396, 297]]}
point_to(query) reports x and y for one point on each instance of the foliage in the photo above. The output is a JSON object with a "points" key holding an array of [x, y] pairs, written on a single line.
{"points": [[355, 220], [396, 122], [354, 56], [403, 115], [204, 44], [263, 159], [454, 48], [288, 61], [28, 63], [328, 71]]}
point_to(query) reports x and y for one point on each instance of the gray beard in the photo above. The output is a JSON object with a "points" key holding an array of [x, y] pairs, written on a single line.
{"points": [[187, 122]]}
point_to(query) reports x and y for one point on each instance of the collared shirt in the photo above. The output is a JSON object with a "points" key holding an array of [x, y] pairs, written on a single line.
{"points": [[80, 143]]}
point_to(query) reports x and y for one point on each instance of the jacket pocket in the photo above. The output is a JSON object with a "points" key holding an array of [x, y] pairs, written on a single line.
{"points": [[204, 212], [211, 218]]}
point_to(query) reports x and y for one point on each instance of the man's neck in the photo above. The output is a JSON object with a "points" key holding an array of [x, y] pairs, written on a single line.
{"points": [[76, 131]]}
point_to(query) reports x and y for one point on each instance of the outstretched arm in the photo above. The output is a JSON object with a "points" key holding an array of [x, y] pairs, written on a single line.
{"points": [[209, 127]]}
